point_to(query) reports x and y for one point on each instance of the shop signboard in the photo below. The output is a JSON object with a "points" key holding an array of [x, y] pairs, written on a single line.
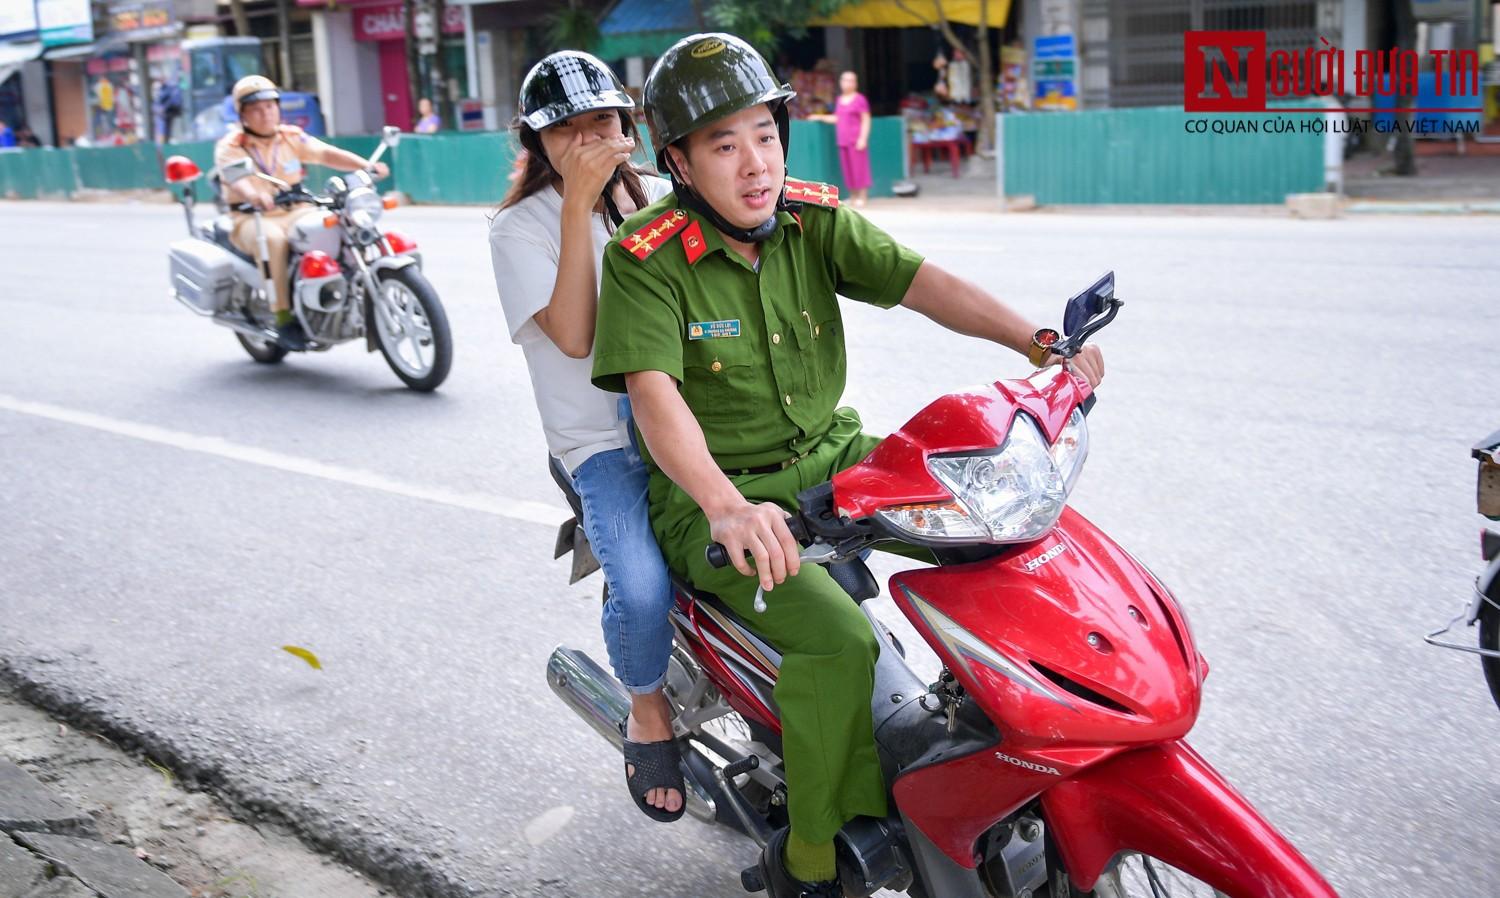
{"points": [[388, 22], [143, 20], [470, 115], [17, 21], [65, 22], [1054, 72]]}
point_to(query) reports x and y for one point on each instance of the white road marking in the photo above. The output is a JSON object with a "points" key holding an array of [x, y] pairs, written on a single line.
{"points": [[547, 824], [514, 509]]}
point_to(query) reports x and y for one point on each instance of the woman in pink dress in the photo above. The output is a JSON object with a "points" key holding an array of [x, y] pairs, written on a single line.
{"points": [[851, 120]]}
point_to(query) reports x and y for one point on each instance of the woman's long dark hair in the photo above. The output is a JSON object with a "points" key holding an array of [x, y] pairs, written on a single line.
{"points": [[538, 173]]}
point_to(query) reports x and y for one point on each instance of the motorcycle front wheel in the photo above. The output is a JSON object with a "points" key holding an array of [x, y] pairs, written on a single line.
{"points": [[412, 328], [1139, 876], [262, 351], [1489, 638]]}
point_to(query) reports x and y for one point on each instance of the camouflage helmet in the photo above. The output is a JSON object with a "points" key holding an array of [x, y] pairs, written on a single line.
{"points": [[703, 78], [253, 89], [566, 83]]}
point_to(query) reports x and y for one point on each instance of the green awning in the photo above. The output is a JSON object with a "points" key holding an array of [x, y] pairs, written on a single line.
{"points": [[638, 43]]}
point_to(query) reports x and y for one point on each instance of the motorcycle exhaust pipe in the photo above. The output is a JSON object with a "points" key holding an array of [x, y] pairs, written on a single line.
{"points": [[244, 327], [602, 702]]}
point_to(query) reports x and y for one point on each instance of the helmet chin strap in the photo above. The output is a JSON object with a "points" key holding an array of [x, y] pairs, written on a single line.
{"points": [[254, 133], [690, 198]]}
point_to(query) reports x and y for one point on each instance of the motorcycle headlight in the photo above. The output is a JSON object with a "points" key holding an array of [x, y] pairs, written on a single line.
{"points": [[364, 207], [1008, 495]]}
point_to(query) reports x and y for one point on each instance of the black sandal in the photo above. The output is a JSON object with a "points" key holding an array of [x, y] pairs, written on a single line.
{"points": [[658, 765]]}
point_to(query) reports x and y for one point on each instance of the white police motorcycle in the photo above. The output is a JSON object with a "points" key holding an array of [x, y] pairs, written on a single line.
{"points": [[349, 278]]}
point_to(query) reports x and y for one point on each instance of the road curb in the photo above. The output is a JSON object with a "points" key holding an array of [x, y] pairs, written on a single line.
{"points": [[1376, 207]]}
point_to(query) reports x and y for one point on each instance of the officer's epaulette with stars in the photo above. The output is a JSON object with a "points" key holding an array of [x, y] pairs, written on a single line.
{"points": [[812, 193], [652, 236]]}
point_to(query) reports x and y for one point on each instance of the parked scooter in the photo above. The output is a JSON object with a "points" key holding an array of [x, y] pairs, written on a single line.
{"points": [[345, 272], [1484, 609], [1047, 760]]}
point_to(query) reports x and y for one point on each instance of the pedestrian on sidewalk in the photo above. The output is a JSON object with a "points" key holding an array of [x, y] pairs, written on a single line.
{"points": [[851, 121], [430, 122]]}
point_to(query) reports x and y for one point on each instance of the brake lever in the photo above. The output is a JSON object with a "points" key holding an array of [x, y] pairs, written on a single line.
{"points": [[817, 553]]}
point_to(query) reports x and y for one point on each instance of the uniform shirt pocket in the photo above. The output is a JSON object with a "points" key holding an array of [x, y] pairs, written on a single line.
{"points": [[719, 379]]}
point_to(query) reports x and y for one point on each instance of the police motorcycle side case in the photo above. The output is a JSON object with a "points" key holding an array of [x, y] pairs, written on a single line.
{"points": [[202, 275]]}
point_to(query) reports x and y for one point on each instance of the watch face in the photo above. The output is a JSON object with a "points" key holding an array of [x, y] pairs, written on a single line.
{"points": [[1045, 337]]}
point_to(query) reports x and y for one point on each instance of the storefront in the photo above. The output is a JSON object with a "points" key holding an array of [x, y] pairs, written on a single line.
{"points": [[20, 45], [385, 25], [118, 73]]}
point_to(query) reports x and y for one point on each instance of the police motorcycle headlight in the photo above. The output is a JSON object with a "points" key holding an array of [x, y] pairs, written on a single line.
{"points": [[364, 207], [1012, 494]]}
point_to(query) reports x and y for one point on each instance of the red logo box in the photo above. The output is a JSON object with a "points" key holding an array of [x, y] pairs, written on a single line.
{"points": [[1224, 71]]}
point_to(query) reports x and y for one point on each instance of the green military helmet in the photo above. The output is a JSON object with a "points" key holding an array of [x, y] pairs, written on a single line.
{"points": [[703, 78]]}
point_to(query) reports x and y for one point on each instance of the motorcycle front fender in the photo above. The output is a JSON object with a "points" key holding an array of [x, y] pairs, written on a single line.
{"points": [[1166, 801], [396, 263]]}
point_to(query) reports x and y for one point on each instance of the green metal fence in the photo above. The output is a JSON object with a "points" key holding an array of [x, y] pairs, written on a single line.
{"points": [[1150, 156], [442, 168]]}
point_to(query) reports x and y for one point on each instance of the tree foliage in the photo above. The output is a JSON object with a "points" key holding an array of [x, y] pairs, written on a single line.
{"points": [[576, 28], [764, 22]]}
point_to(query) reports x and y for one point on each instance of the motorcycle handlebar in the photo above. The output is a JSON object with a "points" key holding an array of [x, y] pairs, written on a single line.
{"points": [[718, 556]]}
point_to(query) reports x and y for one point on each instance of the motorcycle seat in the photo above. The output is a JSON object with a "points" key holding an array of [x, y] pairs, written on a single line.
{"points": [[852, 575], [222, 228]]}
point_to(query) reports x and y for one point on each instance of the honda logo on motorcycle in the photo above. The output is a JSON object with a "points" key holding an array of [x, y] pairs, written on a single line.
{"points": [[1017, 762], [1045, 557]]}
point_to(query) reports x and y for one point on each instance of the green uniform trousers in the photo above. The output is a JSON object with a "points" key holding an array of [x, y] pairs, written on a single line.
{"points": [[828, 649]]}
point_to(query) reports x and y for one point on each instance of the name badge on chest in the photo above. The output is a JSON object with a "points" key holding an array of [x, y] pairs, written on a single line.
{"points": [[713, 330]]}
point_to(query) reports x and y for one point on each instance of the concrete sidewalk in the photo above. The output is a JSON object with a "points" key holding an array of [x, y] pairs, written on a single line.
{"points": [[1471, 178], [79, 818]]}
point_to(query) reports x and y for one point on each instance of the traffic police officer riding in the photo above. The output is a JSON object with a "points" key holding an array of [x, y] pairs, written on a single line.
{"points": [[719, 314], [281, 151]]}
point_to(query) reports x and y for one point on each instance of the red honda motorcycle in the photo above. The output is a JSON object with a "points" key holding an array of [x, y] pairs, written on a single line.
{"points": [[1048, 759]]}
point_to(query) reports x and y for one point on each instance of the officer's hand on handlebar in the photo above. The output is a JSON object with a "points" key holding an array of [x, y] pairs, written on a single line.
{"points": [[380, 170], [262, 201], [761, 530], [1089, 362]]}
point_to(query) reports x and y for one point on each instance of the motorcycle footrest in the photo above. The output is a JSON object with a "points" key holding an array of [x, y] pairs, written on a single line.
{"points": [[751, 879]]}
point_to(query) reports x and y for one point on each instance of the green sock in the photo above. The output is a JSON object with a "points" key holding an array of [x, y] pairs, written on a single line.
{"points": [[283, 317], [809, 861]]}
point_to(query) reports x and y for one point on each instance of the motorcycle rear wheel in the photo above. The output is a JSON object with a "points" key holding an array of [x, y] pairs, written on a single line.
{"points": [[1489, 638], [1138, 876], [263, 352]]}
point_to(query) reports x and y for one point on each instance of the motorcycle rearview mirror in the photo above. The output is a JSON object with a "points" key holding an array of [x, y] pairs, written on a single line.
{"points": [[390, 135], [234, 171], [1087, 314], [1089, 304]]}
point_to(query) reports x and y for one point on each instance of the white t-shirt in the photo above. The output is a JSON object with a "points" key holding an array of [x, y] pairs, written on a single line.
{"points": [[579, 419]]}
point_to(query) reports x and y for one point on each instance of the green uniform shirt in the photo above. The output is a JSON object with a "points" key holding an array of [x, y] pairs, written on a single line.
{"points": [[759, 355]]}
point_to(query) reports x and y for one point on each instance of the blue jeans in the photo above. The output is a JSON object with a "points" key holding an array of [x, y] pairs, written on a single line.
{"points": [[637, 633]]}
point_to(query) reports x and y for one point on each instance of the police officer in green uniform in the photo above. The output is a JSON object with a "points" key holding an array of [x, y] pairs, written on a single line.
{"points": [[719, 315]]}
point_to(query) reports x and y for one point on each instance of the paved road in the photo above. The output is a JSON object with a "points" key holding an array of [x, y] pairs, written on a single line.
{"points": [[1283, 437]]}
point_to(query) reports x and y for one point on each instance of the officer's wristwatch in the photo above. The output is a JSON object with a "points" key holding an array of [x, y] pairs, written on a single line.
{"points": [[1041, 346]]}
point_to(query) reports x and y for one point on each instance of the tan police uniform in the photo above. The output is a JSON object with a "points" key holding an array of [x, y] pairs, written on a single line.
{"points": [[285, 157]]}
